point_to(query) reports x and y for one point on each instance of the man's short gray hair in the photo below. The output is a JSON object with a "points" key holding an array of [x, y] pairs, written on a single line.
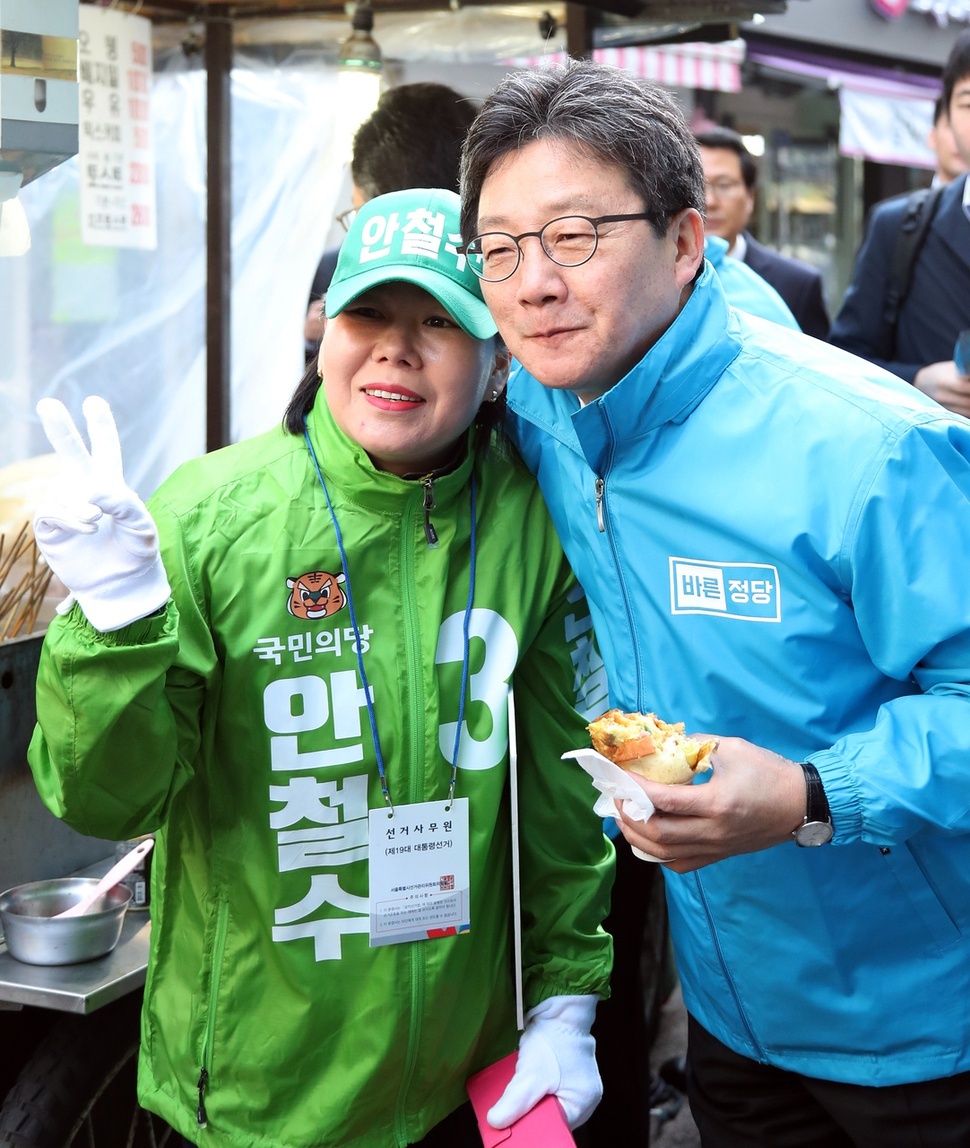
{"points": [[633, 125]]}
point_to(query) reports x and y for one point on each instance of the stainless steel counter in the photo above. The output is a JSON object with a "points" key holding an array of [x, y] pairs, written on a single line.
{"points": [[85, 987], [34, 845]]}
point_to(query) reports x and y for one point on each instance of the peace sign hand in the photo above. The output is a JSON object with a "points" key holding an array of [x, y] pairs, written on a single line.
{"points": [[94, 531]]}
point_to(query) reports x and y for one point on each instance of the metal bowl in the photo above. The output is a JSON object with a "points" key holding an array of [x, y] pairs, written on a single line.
{"points": [[33, 936]]}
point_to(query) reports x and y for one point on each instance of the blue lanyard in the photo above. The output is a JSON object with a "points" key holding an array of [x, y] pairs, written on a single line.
{"points": [[357, 643]]}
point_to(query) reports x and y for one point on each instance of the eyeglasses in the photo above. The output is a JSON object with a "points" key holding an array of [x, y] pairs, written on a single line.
{"points": [[721, 188], [346, 218], [570, 241]]}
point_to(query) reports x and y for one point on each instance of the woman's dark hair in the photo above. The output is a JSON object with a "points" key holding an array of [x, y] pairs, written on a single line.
{"points": [[301, 401]]}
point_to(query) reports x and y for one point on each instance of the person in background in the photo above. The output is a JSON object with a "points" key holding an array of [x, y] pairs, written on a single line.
{"points": [[730, 175], [745, 289], [412, 138], [295, 669], [772, 535], [919, 346], [950, 164]]}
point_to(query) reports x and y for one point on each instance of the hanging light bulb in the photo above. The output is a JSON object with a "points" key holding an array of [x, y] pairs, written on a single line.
{"points": [[360, 51], [14, 229], [359, 79]]}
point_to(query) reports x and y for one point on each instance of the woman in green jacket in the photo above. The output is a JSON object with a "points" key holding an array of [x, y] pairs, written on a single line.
{"points": [[295, 670]]}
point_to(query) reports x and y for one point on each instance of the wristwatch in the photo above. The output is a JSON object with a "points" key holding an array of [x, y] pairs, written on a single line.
{"points": [[816, 829]]}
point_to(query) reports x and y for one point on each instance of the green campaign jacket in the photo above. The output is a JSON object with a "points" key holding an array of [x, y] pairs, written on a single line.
{"points": [[234, 725]]}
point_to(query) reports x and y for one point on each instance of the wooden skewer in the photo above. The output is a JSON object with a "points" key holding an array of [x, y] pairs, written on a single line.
{"points": [[17, 550], [20, 603]]}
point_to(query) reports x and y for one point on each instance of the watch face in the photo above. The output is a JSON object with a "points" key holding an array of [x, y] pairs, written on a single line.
{"points": [[814, 833]]}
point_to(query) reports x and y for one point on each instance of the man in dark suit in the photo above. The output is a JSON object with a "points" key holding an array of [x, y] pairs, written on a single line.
{"points": [[936, 308], [412, 138], [950, 165], [730, 175]]}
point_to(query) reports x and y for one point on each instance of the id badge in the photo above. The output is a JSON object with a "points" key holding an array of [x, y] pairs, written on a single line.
{"points": [[419, 872]]}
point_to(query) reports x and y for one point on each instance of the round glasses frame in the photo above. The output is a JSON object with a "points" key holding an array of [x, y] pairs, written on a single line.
{"points": [[724, 188], [346, 217], [473, 248]]}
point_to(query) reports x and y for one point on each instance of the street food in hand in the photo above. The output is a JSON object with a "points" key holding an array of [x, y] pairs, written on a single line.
{"points": [[644, 744]]}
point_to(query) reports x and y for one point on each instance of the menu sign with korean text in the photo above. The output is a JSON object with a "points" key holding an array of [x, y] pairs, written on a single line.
{"points": [[116, 156]]}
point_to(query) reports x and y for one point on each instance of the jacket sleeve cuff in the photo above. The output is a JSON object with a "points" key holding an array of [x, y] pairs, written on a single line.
{"points": [[842, 795], [141, 632]]}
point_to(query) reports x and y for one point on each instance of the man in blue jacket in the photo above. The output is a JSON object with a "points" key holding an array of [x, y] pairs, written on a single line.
{"points": [[919, 346], [772, 535]]}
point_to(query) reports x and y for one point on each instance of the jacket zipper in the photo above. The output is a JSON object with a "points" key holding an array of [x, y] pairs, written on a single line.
{"points": [[702, 897], [600, 487], [416, 963], [429, 504], [200, 1115], [218, 955], [417, 972]]}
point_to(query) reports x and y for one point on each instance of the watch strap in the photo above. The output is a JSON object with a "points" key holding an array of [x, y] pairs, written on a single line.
{"points": [[816, 803]]}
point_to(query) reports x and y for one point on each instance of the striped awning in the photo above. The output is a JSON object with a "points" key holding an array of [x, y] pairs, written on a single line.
{"points": [[711, 67]]}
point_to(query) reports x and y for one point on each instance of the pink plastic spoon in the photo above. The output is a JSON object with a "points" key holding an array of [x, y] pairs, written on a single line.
{"points": [[109, 880]]}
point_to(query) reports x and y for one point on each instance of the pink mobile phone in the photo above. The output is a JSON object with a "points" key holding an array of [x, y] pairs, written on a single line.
{"points": [[542, 1127]]}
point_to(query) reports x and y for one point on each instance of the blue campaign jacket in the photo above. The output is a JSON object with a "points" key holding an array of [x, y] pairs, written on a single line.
{"points": [[745, 289], [785, 557]]}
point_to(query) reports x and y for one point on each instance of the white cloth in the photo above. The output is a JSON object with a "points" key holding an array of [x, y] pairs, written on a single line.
{"points": [[615, 785], [556, 1058], [94, 531]]}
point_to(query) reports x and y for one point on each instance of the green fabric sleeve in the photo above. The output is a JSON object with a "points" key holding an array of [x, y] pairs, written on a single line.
{"points": [[567, 861]]}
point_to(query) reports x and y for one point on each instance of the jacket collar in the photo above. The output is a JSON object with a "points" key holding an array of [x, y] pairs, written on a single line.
{"points": [[664, 387], [346, 465]]}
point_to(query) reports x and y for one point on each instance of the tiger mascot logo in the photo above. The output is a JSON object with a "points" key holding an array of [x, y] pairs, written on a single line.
{"points": [[315, 595]]}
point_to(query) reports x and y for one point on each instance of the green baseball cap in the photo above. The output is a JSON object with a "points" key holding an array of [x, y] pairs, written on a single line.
{"points": [[412, 236]]}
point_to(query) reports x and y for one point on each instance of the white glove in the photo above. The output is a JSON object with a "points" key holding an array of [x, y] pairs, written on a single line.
{"points": [[94, 531], [556, 1056]]}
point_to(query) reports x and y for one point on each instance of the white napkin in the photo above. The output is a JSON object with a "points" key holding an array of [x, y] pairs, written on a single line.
{"points": [[614, 784]]}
